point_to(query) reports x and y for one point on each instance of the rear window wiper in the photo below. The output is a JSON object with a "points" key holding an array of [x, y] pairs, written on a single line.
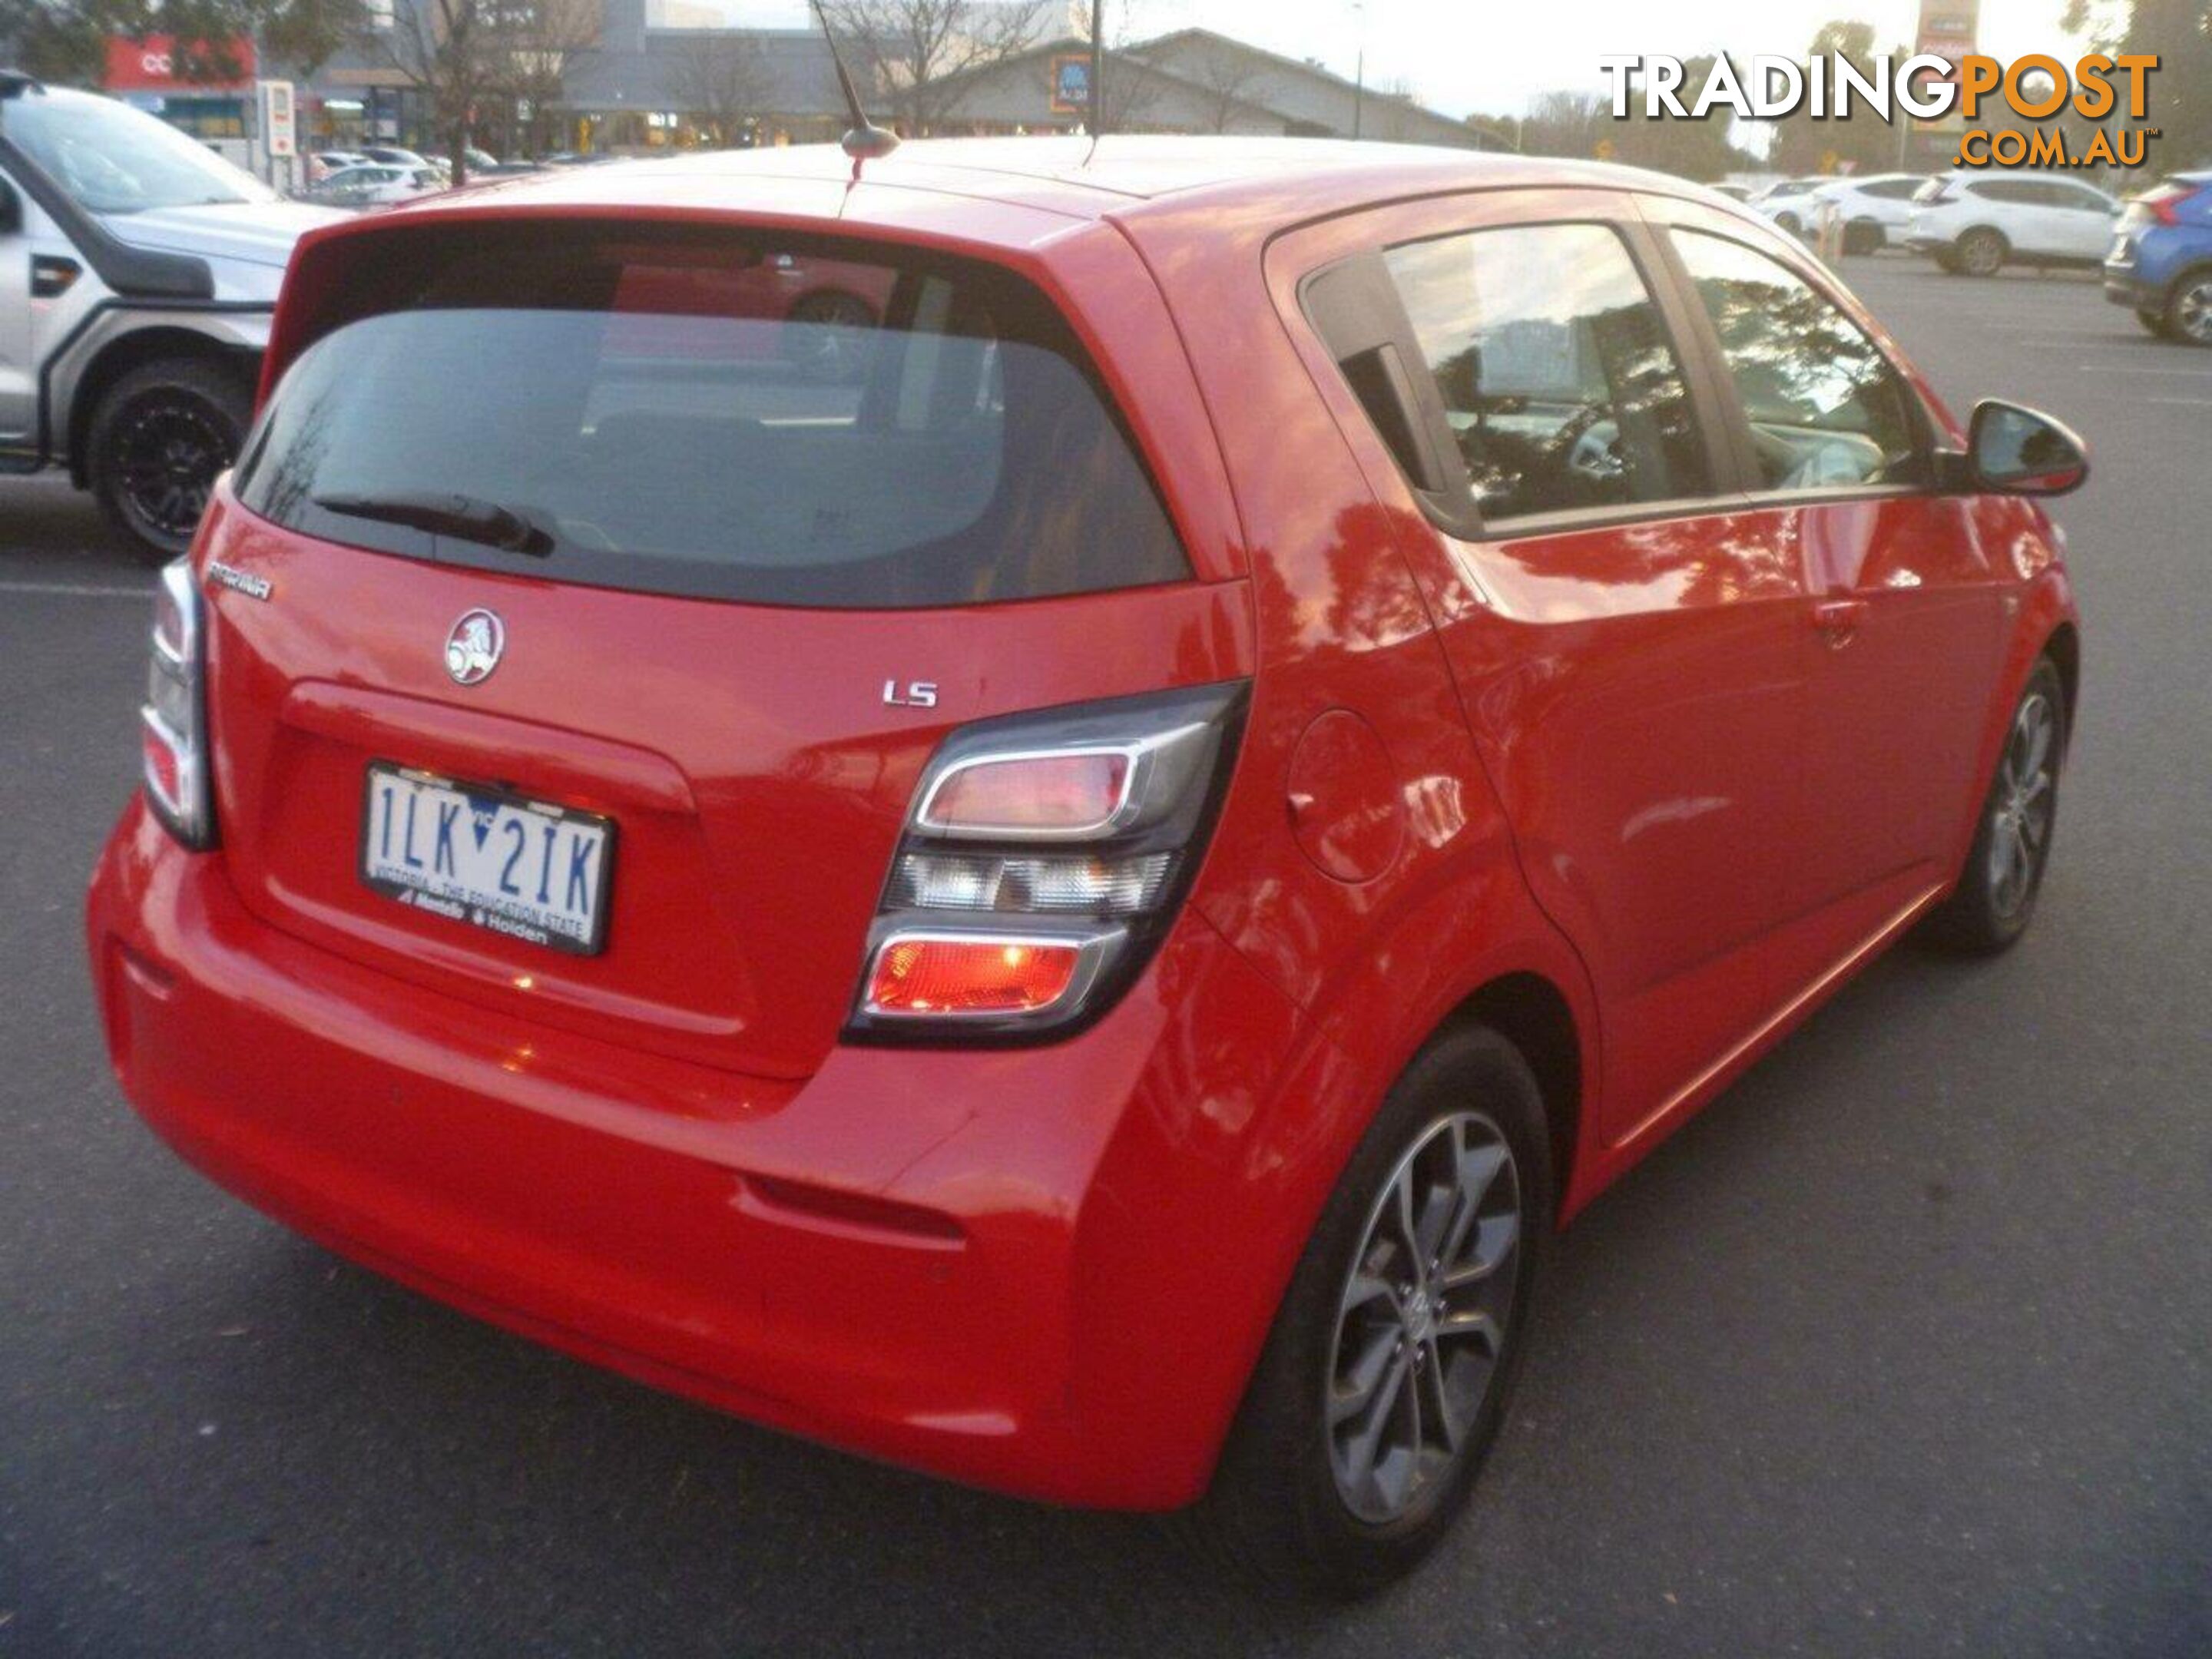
{"points": [[467, 518]]}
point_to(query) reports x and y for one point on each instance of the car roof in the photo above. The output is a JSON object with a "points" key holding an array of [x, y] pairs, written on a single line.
{"points": [[1286, 180]]}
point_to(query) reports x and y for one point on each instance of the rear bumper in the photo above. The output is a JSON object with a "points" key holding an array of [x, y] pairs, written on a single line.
{"points": [[1046, 1271], [2123, 287]]}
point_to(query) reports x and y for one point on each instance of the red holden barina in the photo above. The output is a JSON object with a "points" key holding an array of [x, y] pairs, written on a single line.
{"points": [[1065, 889]]}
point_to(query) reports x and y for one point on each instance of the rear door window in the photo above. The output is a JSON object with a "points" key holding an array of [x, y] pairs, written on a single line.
{"points": [[728, 415], [1560, 386]]}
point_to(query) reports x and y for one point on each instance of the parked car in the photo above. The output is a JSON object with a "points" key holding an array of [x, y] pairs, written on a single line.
{"points": [[2160, 264], [323, 162], [375, 185], [137, 273], [833, 306], [1791, 202], [1074, 911], [1875, 209], [392, 156], [1976, 224]]}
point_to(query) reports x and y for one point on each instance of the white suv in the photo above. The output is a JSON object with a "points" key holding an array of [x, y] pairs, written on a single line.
{"points": [[1874, 209], [1978, 223]]}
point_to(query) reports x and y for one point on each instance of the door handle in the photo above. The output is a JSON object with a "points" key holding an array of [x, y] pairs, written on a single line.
{"points": [[1839, 619]]}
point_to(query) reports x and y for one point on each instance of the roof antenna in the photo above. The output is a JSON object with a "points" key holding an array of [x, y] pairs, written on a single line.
{"points": [[1097, 88], [865, 140]]}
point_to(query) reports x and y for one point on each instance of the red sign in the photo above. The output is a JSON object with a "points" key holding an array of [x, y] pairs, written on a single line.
{"points": [[150, 65]]}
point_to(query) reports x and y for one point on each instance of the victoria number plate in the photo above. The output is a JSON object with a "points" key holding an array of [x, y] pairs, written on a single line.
{"points": [[488, 858]]}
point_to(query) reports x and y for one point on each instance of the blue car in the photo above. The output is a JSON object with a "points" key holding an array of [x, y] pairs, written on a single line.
{"points": [[2161, 267]]}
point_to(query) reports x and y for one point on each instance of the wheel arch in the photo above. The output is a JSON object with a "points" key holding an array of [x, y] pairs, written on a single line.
{"points": [[132, 350], [2064, 647], [1533, 1014]]}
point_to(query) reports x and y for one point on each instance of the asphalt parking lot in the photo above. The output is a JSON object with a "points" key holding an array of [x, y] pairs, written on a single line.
{"points": [[1904, 1348]]}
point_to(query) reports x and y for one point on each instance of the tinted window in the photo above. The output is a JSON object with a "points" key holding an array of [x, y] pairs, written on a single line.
{"points": [[1893, 190], [2019, 191], [1558, 379], [1827, 409], [725, 417]]}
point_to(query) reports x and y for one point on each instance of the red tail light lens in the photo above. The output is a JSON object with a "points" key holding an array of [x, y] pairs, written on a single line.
{"points": [[1043, 859], [955, 975]]}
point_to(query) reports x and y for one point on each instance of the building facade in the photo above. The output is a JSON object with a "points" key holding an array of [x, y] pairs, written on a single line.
{"points": [[657, 75]]}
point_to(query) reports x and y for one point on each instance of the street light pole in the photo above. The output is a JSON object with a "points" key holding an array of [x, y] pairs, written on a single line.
{"points": [[1098, 65], [1359, 72]]}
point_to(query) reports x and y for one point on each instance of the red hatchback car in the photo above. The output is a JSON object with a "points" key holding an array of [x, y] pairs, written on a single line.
{"points": [[1071, 906]]}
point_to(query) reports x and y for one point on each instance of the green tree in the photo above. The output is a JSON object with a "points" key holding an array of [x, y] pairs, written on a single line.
{"points": [[66, 39], [2180, 32], [1860, 142]]}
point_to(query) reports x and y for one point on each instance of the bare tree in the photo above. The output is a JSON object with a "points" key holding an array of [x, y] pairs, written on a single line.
{"points": [[443, 49], [466, 56], [916, 46], [540, 42], [721, 81], [1227, 77]]}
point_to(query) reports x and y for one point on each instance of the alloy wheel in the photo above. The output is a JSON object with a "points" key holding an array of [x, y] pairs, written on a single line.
{"points": [[1981, 253], [1422, 1322], [2020, 832], [2192, 310], [169, 448]]}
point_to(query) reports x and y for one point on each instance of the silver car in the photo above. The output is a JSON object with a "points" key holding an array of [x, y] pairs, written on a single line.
{"points": [[138, 270]]}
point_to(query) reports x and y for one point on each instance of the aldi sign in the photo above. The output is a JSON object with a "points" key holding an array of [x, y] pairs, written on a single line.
{"points": [[1071, 84]]}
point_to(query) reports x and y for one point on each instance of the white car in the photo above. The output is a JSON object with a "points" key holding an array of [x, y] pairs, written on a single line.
{"points": [[1978, 223], [1791, 204], [325, 162], [1875, 209], [376, 186]]}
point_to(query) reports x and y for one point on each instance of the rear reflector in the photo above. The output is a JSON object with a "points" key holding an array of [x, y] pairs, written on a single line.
{"points": [[976, 975]]}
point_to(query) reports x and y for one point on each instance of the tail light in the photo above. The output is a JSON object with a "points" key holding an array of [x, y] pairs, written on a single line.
{"points": [[1043, 859], [2166, 202], [172, 726]]}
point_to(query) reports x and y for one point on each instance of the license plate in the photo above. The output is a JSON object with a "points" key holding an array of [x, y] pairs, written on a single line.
{"points": [[488, 858]]}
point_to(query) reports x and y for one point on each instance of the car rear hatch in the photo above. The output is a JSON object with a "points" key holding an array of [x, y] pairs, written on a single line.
{"points": [[622, 579]]}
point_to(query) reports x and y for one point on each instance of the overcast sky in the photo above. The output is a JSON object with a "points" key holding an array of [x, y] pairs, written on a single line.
{"points": [[1493, 55]]}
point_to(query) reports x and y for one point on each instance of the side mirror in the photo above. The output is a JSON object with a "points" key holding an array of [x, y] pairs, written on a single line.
{"points": [[2016, 452], [11, 209]]}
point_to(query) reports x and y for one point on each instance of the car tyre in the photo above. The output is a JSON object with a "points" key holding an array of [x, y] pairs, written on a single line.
{"points": [[2154, 322], [1863, 236], [158, 440], [2189, 309], [1981, 252], [1293, 1509], [1787, 222], [1995, 896]]}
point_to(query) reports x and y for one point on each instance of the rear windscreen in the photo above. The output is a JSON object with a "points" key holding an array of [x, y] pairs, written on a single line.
{"points": [[730, 416]]}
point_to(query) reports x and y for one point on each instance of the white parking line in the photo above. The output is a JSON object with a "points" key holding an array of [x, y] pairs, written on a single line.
{"points": [[77, 591], [2204, 373]]}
